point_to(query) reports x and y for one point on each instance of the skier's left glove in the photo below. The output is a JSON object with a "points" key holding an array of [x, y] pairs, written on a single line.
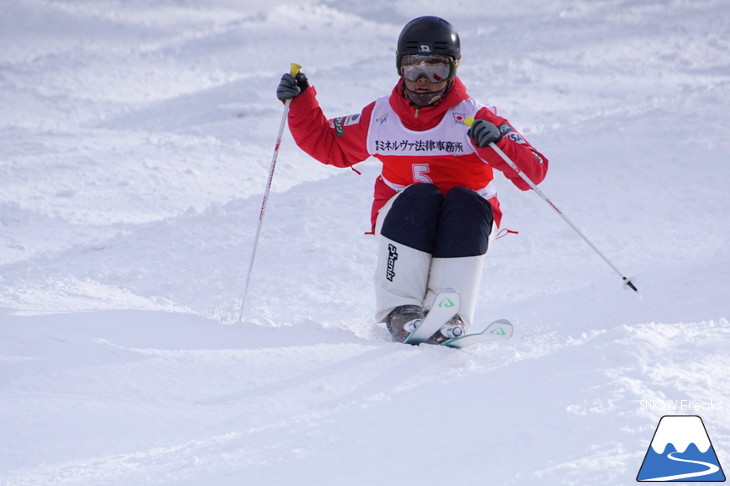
{"points": [[483, 133], [291, 86]]}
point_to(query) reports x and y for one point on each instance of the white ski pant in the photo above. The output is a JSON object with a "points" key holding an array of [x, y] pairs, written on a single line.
{"points": [[405, 275]]}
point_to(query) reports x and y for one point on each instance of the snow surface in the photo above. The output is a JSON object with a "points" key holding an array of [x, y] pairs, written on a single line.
{"points": [[135, 142]]}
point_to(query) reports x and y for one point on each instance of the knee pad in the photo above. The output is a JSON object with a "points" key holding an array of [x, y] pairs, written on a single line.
{"points": [[464, 225], [413, 219]]}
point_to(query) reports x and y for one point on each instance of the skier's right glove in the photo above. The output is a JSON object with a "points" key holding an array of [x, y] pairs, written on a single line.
{"points": [[483, 133], [291, 87]]}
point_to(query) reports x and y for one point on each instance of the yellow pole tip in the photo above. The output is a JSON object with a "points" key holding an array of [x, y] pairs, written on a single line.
{"points": [[469, 121], [295, 68]]}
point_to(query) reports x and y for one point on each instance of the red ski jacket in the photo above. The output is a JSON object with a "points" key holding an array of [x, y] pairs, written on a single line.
{"points": [[415, 145]]}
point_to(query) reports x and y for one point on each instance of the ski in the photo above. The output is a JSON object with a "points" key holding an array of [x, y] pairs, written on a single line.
{"points": [[445, 306], [501, 329]]}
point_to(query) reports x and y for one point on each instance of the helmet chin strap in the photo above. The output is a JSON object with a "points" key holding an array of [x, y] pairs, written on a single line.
{"points": [[425, 99]]}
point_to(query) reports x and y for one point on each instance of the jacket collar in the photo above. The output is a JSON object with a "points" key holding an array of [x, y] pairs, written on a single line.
{"points": [[425, 117]]}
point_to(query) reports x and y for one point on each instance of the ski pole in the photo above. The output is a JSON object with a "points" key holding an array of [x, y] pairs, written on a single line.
{"points": [[293, 71], [627, 282]]}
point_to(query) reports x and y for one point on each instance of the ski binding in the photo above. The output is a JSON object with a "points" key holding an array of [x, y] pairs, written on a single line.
{"points": [[445, 306], [501, 329]]}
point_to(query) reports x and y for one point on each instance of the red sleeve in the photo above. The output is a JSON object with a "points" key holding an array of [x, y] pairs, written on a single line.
{"points": [[341, 141], [531, 162]]}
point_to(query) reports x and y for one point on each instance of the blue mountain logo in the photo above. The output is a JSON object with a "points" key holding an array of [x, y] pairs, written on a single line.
{"points": [[681, 451]]}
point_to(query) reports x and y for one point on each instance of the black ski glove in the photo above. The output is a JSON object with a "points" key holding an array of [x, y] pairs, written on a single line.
{"points": [[291, 87], [483, 133]]}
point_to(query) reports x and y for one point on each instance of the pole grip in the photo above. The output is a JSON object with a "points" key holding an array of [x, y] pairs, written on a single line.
{"points": [[293, 70]]}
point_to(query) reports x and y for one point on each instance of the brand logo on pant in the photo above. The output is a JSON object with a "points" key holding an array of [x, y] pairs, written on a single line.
{"points": [[392, 257]]}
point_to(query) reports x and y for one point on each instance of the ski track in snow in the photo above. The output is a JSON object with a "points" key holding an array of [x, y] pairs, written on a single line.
{"points": [[134, 149]]}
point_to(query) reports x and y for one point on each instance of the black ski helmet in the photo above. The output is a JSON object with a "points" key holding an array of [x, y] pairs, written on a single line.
{"points": [[428, 35]]}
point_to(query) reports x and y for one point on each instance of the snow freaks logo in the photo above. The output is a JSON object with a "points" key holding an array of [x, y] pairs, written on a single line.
{"points": [[681, 406], [680, 451]]}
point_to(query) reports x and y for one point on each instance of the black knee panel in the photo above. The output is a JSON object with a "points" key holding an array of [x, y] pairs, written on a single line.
{"points": [[413, 219], [465, 222]]}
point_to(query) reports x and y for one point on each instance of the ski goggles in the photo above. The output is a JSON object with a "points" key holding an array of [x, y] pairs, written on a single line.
{"points": [[435, 68]]}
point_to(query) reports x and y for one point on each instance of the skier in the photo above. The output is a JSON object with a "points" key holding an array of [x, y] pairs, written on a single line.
{"points": [[435, 204]]}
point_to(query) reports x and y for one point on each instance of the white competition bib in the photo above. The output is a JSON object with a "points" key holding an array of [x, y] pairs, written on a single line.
{"points": [[388, 136]]}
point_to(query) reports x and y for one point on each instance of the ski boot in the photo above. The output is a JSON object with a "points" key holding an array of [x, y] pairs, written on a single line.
{"points": [[403, 320], [455, 327]]}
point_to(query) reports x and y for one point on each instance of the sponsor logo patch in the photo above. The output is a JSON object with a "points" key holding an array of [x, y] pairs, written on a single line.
{"points": [[515, 137], [508, 131], [352, 120], [392, 257], [337, 124], [505, 128]]}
